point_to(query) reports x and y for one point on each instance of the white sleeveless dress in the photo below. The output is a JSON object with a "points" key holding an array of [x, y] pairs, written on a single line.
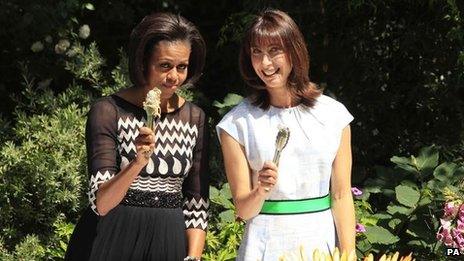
{"points": [[304, 172]]}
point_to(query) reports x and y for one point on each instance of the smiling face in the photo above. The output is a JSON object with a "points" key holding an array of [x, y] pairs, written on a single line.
{"points": [[272, 65], [168, 66]]}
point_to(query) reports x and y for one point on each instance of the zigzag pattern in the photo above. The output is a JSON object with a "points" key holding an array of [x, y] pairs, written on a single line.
{"points": [[196, 213], [169, 184], [202, 214], [127, 136], [178, 127], [192, 223], [194, 204], [132, 123], [95, 181], [127, 147], [181, 140], [188, 140], [182, 150], [173, 126]]}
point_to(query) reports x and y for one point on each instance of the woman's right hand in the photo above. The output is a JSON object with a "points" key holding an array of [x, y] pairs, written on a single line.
{"points": [[267, 177], [144, 144]]}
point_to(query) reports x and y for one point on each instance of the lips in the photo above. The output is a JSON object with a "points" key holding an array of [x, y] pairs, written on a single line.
{"points": [[269, 74], [169, 86]]}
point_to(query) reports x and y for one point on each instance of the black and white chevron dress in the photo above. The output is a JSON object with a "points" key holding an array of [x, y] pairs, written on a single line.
{"points": [[169, 196]]}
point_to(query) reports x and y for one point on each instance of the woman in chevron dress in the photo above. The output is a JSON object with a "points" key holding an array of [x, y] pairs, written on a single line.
{"points": [[148, 190]]}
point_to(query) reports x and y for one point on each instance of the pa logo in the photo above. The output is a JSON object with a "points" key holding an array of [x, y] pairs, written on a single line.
{"points": [[452, 252]]}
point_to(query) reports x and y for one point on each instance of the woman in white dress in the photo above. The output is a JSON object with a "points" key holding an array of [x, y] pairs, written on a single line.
{"points": [[306, 201]]}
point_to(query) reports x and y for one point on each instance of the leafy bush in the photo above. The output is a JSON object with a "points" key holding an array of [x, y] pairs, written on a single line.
{"points": [[43, 174], [401, 206], [30, 248], [42, 171], [225, 232], [58, 243]]}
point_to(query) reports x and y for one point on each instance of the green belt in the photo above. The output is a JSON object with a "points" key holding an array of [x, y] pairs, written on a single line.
{"points": [[298, 206]]}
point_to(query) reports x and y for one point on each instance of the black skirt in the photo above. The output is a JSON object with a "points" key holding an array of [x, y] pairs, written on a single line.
{"points": [[129, 233]]}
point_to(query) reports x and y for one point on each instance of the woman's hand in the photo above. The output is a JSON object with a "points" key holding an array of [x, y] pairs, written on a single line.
{"points": [[111, 192], [267, 177], [144, 144]]}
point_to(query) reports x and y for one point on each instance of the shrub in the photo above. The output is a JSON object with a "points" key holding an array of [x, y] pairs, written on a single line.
{"points": [[401, 206]]}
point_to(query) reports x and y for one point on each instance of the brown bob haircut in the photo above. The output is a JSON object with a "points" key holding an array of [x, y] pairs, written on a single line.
{"points": [[164, 27], [276, 27]]}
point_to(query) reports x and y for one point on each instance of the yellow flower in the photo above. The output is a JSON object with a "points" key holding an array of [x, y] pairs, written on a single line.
{"points": [[337, 256]]}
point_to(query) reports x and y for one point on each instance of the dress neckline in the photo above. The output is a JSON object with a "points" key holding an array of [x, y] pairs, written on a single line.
{"points": [[141, 108], [285, 108]]}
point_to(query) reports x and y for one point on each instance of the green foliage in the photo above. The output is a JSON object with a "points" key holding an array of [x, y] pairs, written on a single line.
{"points": [[234, 27], [187, 94], [30, 248], [225, 233], [42, 171], [43, 167], [407, 196], [408, 201], [85, 64], [58, 243], [229, 102], [120, 75], [380, 235]]}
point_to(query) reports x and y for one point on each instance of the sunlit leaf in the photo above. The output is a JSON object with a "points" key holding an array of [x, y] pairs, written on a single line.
{"points": [[407, 195], [379, 235]]}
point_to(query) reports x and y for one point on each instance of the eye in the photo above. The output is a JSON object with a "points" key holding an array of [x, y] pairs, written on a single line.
{"points": [[275, 50], [165, 65], [182, 67], [255, 51]]}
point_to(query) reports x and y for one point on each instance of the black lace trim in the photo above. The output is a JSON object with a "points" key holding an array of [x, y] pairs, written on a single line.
{"points": [[152, 199]]}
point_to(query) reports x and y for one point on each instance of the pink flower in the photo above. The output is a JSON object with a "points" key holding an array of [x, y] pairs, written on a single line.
{"points": [[444, 235], [451, 231], [445, 223], [357, 192], [460, 241], [450, 210], [459, 238], [460, 226], [455, 233], [448, 238], [461, 213], [360, 228]]}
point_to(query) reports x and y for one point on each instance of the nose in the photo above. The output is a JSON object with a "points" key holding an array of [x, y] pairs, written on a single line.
{"points": [[172, 75], [266, 59]]}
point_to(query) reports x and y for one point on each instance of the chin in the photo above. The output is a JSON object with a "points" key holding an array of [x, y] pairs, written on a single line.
{"points": [[167, 93], [169, 89]]}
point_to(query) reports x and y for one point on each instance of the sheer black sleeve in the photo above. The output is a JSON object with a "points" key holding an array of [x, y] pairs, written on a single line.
{"points": [[101, 141], [196, 185]]}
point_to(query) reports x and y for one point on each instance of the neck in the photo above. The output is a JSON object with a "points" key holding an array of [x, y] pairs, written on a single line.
{"points": [[169, 104], [281, 97]]}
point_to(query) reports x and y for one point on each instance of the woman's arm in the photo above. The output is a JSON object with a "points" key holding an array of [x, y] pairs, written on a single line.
{"points": [[342, 200], [248, 201], [108, 183], [196, 241], [111, 192], [195, 189]]}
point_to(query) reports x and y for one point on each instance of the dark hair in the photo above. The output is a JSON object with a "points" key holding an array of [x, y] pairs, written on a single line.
{"points": [[276, 27], [164, 27]]}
